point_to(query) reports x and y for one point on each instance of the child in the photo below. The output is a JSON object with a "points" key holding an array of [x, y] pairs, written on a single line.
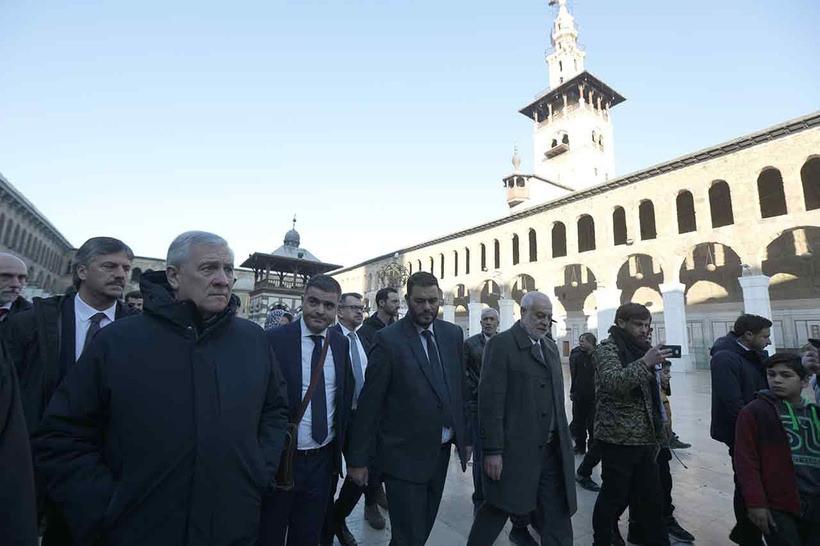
{"points": [[777, 456]]}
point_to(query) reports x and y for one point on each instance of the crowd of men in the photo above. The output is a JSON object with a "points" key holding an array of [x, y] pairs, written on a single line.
{"points": [[160, 418]]}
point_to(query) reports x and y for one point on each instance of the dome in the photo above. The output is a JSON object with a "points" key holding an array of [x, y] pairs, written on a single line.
{"points": [[292, 238]]}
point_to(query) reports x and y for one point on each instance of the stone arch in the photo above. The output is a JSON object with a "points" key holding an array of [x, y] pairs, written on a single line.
{"points": [[619, 233], [522, 284], [490, 294], [559, 240], [648, 296], [516, 254], [638, 271], [646, 218], [770, 194], [792, 261], [810, 177], [586, 233], [715, 263], [720, 204], [533, 244], [461, 295], [685, 205], [577, 283]]}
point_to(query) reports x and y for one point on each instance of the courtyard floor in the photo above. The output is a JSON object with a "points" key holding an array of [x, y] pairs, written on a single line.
{"points": [[702, 493]]}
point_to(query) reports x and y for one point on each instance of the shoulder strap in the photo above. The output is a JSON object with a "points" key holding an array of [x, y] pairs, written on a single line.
{"points": [[314, 378]]}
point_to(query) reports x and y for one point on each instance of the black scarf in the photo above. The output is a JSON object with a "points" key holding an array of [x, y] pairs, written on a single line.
{"points": [[631, 349]]}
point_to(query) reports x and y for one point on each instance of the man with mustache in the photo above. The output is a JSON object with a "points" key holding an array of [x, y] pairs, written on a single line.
{"points": [[169, 429], [411, 412], [46, 341], [13, 277]]}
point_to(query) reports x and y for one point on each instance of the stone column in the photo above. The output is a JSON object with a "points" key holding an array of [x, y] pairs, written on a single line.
{"points": [[608, 299], [674, 320], [474, 312], [449, 312], [506, 308], [756, 299]]}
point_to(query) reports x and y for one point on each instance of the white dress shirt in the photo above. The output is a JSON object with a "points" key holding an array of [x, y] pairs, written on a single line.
{"points": [[306, 440], [362, 354], [446, 432], [82, 320]]}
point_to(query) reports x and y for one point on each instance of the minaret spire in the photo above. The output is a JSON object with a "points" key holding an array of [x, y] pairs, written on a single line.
{"points": [[567, 59]]}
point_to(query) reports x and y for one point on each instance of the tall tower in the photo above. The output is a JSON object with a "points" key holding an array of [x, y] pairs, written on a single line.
{"points": [[572, 131]]}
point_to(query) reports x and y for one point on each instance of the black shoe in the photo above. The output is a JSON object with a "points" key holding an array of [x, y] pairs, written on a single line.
{"points": [[678, 533], [381, 497], [344, 535], [522, 537], [675, 443], [617, 539], [587, 483], [374, 517]]}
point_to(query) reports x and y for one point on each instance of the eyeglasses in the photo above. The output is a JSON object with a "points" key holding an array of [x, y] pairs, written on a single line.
{"points": [[354, 307]]}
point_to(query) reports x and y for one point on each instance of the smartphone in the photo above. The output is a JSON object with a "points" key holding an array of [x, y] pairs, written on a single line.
{"points": [[675, 350]]}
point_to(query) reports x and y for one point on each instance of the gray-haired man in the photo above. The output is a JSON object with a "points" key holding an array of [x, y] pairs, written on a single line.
{"points": [[170, 427]]}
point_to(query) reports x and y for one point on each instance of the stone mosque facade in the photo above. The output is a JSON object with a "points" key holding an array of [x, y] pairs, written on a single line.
{"points": [[698, 239]]}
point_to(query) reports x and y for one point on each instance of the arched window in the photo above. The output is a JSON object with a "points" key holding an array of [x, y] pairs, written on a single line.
{"points": [[594, 137], [432, 266], [9, 233], [559, 240], [419, 264], [533, 246], [410, 267], [441, 266], [685, 204], [515, 253], [483, 257], [770, 193], [2, 225], [496, 254], [586, 233], [136, 275], [619, 226], [646, 217], [466, 261], [554, 143], [810, 175], [455, 263], [27, 249], [15, 244], [565, 139], [720, 204]]}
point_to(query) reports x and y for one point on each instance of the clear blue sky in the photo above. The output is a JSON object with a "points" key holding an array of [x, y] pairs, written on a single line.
{"points": [[379, 123]]}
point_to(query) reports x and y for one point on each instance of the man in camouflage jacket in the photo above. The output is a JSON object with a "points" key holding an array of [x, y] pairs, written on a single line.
{"points": [[629, 424]]}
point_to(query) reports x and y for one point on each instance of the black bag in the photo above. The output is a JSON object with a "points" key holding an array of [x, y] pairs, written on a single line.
{"points": [[284, 474]]}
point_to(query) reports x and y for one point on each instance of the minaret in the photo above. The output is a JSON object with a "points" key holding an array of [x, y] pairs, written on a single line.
{"points": [[572, 126]]}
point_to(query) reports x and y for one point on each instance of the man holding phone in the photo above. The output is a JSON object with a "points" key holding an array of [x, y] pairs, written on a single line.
{"points": [[629, 426]]}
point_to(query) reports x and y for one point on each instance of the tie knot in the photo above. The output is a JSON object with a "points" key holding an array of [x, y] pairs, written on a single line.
{"points": [[427, 334], [317, 339], [352, 335], [97, 318]]}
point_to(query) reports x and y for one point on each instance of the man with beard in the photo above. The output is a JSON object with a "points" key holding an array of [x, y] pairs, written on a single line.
{"points": [[46, 341], [411, 412], [528, 462], [737, 374], [629, 426], [171, 425], [13, 277]]}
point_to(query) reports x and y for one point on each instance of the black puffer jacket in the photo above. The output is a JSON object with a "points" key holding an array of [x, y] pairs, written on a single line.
{"points": [[737, 374], [167, 431]]}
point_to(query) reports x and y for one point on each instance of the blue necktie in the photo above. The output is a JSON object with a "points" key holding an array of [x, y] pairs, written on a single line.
{"points": [[358, 374], [318, 403]]}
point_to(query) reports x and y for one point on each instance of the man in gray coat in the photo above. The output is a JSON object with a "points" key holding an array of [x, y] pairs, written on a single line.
{"points": [[528, 460]]}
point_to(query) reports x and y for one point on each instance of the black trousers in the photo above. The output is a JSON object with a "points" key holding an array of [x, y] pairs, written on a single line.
{"points": [[629, 472], [793, 531], [583, 419], [552, 509], [413, 506], [744, 532], [591, 458], [349, 496], [296, 517], [668, 509]]}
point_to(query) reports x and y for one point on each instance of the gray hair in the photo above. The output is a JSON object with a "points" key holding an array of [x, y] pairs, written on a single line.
{"points": [[530, 297], [489, 311], [180, 249], [97, 246]]}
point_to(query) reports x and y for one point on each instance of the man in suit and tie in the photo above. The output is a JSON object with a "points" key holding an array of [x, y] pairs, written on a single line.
{"points": [[411, 412], [351, 313], [13, 277], [296, 517], [528, 461], [46, 341]]}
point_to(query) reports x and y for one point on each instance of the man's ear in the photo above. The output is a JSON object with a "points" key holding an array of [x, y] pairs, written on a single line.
{"points": [[82, 272], [172, 273]]}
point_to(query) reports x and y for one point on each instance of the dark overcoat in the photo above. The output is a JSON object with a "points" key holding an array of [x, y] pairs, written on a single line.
{"points": [[516, 390]]}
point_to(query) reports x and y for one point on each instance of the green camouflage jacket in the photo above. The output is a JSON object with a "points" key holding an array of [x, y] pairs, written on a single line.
{"points": [[623, 411]]}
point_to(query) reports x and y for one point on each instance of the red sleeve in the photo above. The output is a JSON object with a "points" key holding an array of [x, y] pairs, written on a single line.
{"points": [[747, 460]]}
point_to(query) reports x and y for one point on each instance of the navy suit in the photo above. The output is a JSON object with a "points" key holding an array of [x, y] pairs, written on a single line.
{"points": [[300, 513], [400, 415]]}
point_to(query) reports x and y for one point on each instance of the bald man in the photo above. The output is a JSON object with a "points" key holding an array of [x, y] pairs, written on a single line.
{"points": [[13, 277], [528, 463]]}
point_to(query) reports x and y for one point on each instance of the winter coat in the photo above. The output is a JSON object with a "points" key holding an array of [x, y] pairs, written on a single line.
{"points": [[763, 458], [168, 430], [737, 374], [518, 389], [624, 412], [18, 516], [370, 326], [582, 374], [18, 306], [473, 356]]}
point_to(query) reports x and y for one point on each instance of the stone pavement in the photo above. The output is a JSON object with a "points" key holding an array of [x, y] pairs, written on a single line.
{"points": [[702, 493]]}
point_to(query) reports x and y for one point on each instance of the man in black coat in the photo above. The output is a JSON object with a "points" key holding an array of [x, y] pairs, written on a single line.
{"points": [[582, 394], [387, 312], [299, 514], [170, 427], [46, 341], [18, 517], [411, 412], [13, 278], [737, 374]]}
